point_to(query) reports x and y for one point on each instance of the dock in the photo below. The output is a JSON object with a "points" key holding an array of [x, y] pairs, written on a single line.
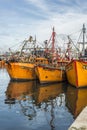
{"points": [[81, 121]]}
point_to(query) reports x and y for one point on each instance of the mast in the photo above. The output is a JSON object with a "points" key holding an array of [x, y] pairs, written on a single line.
{"points": [[69, 48], [84, 31], [53, 40]]}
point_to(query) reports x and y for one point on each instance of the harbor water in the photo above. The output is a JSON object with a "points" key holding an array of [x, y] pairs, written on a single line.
{"points": [[31, 106]]}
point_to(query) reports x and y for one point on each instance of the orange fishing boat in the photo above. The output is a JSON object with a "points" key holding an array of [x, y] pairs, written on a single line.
{"points": [[54, 71], [21, 71], [47, 74], [24, 71], [76, 99], [76, 70], [23, 67]]}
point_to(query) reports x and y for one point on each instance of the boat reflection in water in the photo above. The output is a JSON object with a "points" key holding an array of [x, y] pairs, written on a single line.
{"points": [[49, 98], [19, 90], [36, 100], [76, 99], [46, 93]]}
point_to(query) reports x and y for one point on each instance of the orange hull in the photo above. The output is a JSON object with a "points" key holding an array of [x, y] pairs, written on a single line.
{"points": [[76, 72], [21, 71], [48, 75], [24, 71]]}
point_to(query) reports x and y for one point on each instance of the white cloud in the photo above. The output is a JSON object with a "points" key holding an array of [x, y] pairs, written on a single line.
{"points": [[16, 25], [38, 3]]}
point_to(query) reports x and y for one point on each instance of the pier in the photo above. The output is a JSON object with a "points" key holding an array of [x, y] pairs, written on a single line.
{"points": [[81, 121]]}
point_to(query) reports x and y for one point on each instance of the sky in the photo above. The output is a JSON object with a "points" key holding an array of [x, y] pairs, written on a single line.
{"points": [[20, 19]]}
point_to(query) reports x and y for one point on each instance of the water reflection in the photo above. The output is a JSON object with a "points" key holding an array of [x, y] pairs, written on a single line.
{"points": [[76, 99], [22, 93], [48, 92], [46, 103], [19, 90], [33, 97], [48, 98]]}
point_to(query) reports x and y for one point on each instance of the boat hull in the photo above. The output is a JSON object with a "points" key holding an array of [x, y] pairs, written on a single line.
{"points": [[76, 72], [49, 75], [21, 71]]}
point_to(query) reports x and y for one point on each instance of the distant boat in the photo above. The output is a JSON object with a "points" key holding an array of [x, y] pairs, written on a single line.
{"points": [[76, 70], [2, 63]]}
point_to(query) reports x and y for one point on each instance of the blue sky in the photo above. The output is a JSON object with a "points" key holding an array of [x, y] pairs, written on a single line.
{"points": [[21, 18]]}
